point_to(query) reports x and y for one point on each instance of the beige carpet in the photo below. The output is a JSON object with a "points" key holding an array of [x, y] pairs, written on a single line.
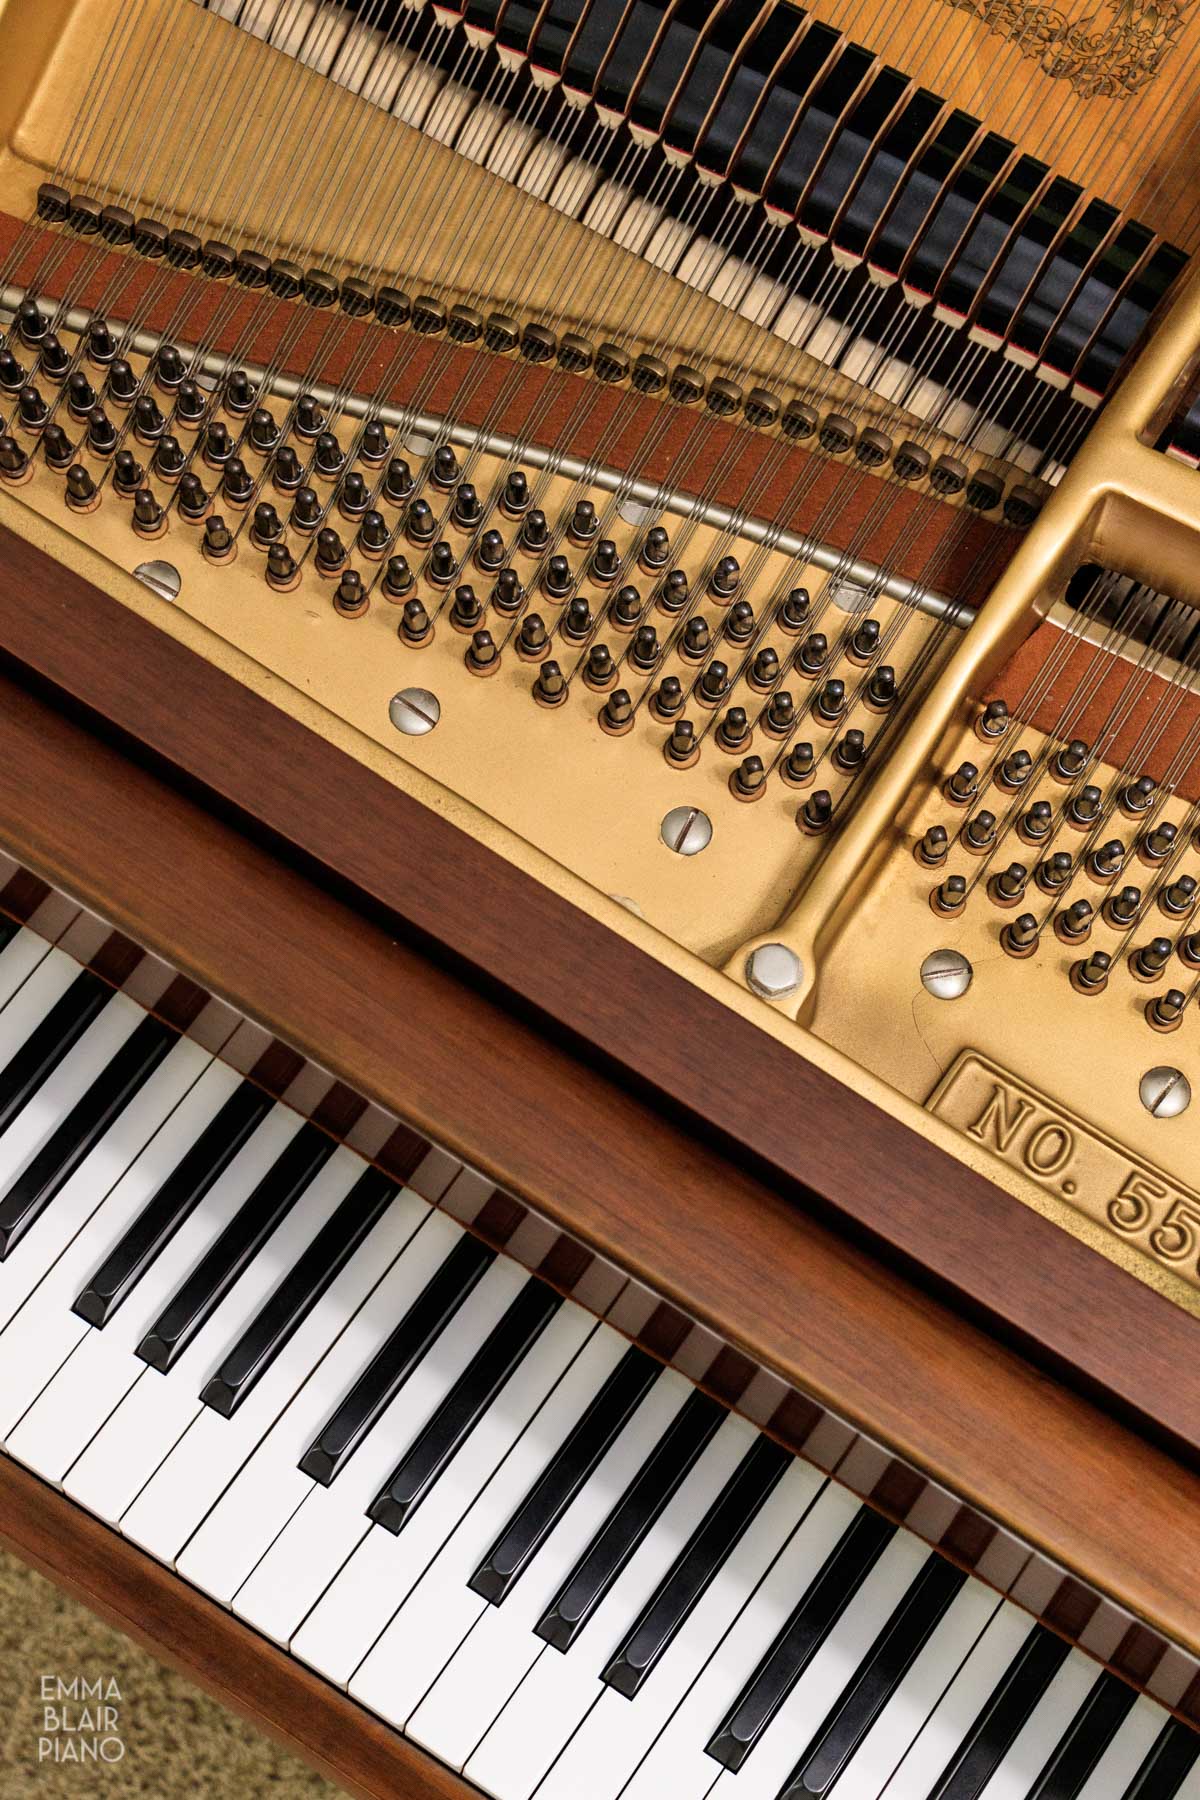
{"points": [[167, 1740]]}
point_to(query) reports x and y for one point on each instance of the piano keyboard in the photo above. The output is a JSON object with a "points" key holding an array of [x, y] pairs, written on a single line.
{"points": [[452, 1490]]}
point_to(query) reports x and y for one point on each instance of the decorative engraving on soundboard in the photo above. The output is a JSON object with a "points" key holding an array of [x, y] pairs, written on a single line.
{"points": [[1072, 1160], [1115, 50]]}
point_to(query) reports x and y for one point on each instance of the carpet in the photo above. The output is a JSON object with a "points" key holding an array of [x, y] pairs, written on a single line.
{"points": [[139, 1729]]}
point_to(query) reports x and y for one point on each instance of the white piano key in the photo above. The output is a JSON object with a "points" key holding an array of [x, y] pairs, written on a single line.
{"points": [[677, 1764], [1128, 1750], [97, 1376], [102, 1198], [361, 1600], [1031, 1748], [949, 1645], [157, 1411], [257, 1504], [774, 1756], [19, 958], [206, 1459], [559, 1689], [617, 1732], [39, 989], [332, 1520], [434, 1620], [960, 1705]]}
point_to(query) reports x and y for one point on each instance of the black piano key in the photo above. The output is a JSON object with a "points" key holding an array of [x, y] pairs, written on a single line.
{"points": [[173, 1203], [629, 1521], [459, 1413], [222, 1263], [1018, 1691], [84, 1126], [1167, 1764], [392, 1364], [875, 1681], [298, 1292], [823, 1602], [564, 1475], [667, 1611], [49, 1041], [1085, 1740], [8, 930]]}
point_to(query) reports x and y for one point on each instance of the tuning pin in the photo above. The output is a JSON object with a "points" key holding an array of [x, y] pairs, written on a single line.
{"points": [[830, 704], [1090, 974], [979, 832], [550, 688], [933, 848], [168, 458], [489, 552], [1020, 936], [467, 510], [420, 525], [373, 534], [723, 582], [626, 609], [1179, 898], [508, 596], [1122, 909], [54, 361], [483, 658], [1014, 771], [442, 567], [1148, 961], [148, 421], [749, 781], [605, 564], [600, 671], [32, 410], [681, 749], [282, 570], [535, 534], [122, 383], [644, 653], [576, 620], [128, 474], [218, 445], [1106, 861], [240, 393], [696, 639], [329, 457], [306, 509], [466, 610], [308, 418], [1138, 796], [1084, 807], [584, 524], [850, 752], [739, 622], [616, 715], [12, 373], [1054, 874], [531, 639], [331, 552], [193, 501], [1037, 823], [81, 396], [515, 498], [881, 687], [1070, 761], [14, 464], [398, 482], [57, 448], [557, 580], [1189, 950], [733, 733], [217, 543], [149, 520], [798, 766], [793, 610], [961, 787], [1075, 923], [445, 466], [713, 684], [266, 526], [813, 654], [350, 597], [416, 627], [354, 496], [373, 445], [82, 495], [1008, 887], [816, 815], [655, 551], [667, 698], [169, 368], [30, 322], [190, 403], [1165, 1012], [1156, 844], [864, 642], [673, 594], [950, 896], [102, 346], [397, 578], [780, 714], [237, 487]]}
